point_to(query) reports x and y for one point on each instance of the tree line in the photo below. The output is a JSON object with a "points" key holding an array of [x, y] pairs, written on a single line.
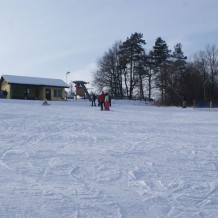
{"points": [[126, 70]]}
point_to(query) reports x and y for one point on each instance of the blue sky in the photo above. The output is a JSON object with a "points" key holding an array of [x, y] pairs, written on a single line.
{"points": [[47, 38]]}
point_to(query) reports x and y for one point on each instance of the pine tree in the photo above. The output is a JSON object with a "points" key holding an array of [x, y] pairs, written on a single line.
{"points": [[161, 55], [131, 52], [178, 67], [150, 72]]}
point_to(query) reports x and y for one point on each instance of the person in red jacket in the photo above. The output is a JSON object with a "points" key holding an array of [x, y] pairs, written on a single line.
{"points": [[101, 100]]}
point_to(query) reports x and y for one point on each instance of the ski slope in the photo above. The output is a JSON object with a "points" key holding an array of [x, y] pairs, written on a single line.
{"points": [[71, 160]]}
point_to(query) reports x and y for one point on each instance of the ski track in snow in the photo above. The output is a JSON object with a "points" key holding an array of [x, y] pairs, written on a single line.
{"points": [[72, 160]]}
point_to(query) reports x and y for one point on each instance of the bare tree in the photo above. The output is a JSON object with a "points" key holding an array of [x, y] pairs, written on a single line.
{"points": [[200, 63], [206, 62], [212, 67], [109, 74]]}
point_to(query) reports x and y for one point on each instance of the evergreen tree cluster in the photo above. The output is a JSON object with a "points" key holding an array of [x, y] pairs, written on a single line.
{"points": [[127, 71]]}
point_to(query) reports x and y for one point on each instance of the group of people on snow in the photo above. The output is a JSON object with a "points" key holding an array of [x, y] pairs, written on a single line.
{"points": [[104, 101]]}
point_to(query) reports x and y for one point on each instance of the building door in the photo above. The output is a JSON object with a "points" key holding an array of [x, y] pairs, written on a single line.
{"points": [[48, 94], [36, 93]]}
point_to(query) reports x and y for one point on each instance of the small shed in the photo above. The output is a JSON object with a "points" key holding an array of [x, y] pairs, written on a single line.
{"points": [[24, 87]]}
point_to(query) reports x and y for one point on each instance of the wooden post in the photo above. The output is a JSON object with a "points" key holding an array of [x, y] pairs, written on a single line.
{"points": [[194, 104], [184, 104], [211, 104]]}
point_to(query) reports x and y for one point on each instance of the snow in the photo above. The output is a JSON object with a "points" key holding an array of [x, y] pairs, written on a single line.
{"points": [[69, 159]]}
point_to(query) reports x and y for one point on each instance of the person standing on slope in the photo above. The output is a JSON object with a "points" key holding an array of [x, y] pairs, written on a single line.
{"points": [[107, 102], [101, 100], [93, 100]]}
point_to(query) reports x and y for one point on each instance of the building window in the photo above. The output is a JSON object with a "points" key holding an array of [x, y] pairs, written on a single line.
{"points": [[57, 93]]}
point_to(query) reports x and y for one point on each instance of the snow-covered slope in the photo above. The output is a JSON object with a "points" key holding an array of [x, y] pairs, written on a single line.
{"points": [[69, 159]]}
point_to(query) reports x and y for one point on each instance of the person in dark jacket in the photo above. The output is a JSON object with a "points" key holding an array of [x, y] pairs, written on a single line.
{"points": [[93, 100], [5, 93], [109, 100]]}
